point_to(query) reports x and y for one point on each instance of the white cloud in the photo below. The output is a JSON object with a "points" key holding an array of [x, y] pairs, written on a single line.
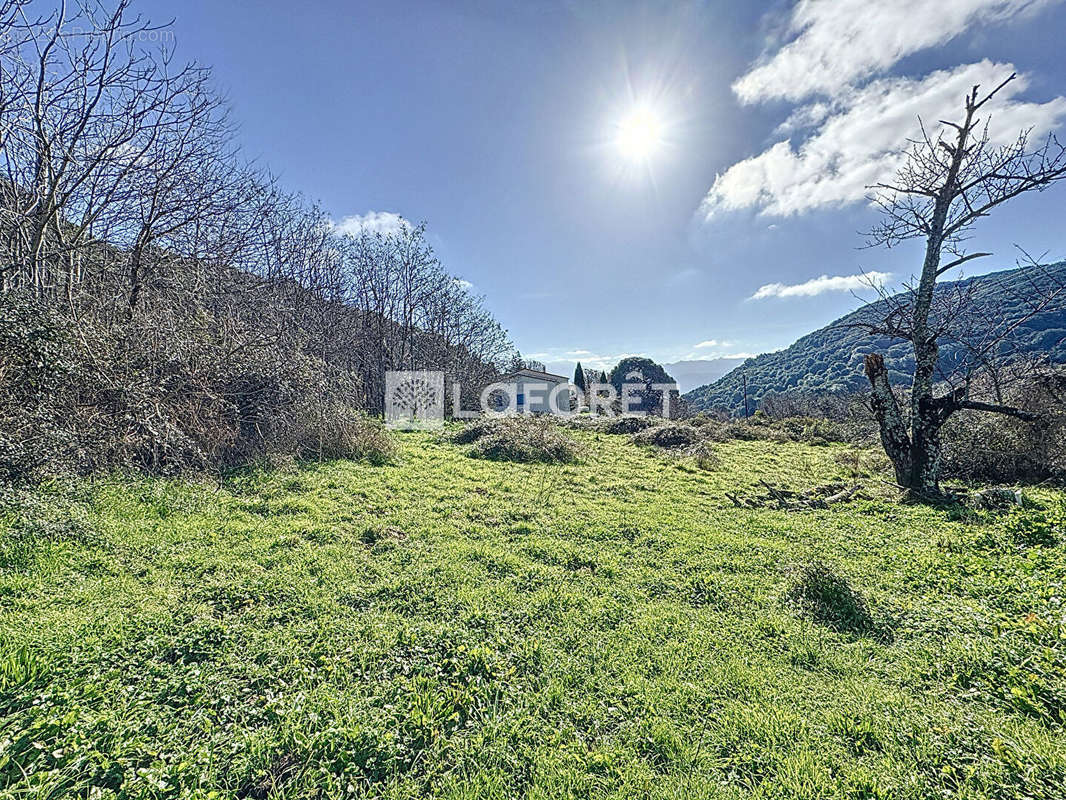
{"points": [[465, 285], [559, 359], [851, 131], [826, 283], [383, 222], [836, 43], [859, 142], [712, 343]]}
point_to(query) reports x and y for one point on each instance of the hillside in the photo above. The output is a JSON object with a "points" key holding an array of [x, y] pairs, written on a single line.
{"points": [[830, 359], [446, 626]]}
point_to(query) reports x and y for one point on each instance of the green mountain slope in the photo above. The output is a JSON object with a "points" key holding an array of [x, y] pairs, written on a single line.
{"points": [[830, 359]]}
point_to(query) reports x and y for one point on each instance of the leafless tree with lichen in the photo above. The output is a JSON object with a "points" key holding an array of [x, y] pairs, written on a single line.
{"points": [[948, 183]]}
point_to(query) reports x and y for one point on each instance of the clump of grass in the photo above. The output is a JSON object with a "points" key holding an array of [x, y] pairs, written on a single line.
{"points": [[524, 439], [1037, 527], [669, 436], [850, 461], [704, 456], [820, 593], [373, 534], [19, 668]]}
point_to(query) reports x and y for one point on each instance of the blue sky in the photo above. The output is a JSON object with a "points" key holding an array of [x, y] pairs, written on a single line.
{"points": [[497, 124]]}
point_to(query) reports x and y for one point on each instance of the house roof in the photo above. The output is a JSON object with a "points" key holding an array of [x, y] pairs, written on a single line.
{"points": [[536, 373]]}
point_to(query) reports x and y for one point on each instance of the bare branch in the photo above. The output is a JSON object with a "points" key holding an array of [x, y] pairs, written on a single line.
{"points": [[993, 408], [958, 262]]}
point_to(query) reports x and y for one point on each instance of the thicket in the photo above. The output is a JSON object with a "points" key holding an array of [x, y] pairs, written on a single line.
{"points": [[164, 305]]}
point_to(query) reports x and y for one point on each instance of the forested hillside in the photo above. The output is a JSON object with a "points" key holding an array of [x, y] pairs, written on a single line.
{"points": [[830, 359]]}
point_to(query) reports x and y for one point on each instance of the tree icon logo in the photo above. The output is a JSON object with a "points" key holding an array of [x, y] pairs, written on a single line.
{"points": [[414, 400]]}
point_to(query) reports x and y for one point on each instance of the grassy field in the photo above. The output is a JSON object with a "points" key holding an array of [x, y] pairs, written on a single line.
{"points": [[456, 627]]}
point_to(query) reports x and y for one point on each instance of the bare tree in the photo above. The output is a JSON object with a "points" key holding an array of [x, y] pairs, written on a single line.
{"points": [[97, 126], [947, 184]]}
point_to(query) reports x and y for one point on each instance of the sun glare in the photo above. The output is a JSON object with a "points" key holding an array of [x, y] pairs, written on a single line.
{"points": [[639, 134]]}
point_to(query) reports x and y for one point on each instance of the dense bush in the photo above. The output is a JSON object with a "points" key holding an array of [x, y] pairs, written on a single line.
{"points": [[160, 394], [520, 438], [812, 430], [472, 431], [630, 424], [34, 375], [670, 435], [1001, 449], [339, 431]]}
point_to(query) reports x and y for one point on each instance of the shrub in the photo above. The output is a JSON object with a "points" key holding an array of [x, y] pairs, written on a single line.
{"points": [[669, 436], [524, 439], [587, 422], [742, 430], [811, 430], [630, 424], [819, 592], [35, 369], [1001, 449], [706, 418], [473, 431], [335, 431]]}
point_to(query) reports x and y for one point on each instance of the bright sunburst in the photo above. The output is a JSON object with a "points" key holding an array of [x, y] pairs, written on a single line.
{"points": [[639, 134]]}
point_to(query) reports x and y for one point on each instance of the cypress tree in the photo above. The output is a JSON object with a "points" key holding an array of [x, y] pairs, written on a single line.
{"points": [[579, 378]]}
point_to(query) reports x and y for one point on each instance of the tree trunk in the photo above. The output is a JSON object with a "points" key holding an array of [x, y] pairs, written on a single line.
{"points": [[894, 436], [926, 450], [915, 455]]}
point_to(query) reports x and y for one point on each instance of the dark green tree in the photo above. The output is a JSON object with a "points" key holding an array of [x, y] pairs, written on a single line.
{"points": [[640, 375], [579, 379]]}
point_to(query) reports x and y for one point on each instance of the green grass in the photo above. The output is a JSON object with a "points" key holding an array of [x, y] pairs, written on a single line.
{"points": [[457, 627]]}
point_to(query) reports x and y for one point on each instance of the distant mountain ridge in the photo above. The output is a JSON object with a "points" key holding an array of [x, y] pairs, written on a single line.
{"points": [[830, 359], [698, 372]]}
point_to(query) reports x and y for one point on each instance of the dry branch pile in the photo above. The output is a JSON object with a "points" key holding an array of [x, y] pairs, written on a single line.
{"points": [[789, 500]]}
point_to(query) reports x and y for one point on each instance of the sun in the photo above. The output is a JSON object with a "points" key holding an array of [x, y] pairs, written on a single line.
{"points": [[639, 134]]}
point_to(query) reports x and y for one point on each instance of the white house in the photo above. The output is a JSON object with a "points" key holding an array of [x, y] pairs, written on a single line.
{"points": [[533, 392]]}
